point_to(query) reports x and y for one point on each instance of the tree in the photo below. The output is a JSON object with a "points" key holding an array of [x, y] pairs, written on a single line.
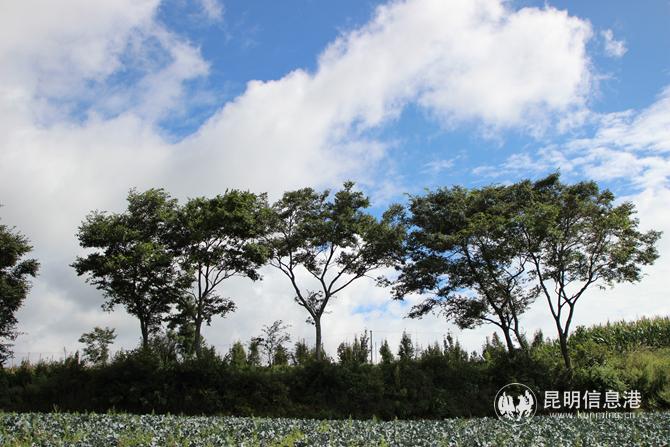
{"points": [[274, 337], [216, 239], [97, 344], [237, 357], [301, 353], [576, 237], [432, 351], [453, 351], [323, 244], [466, 252], [386, 353], [254, 355], [406, 348], [14, 284], [280, 357], [132, 263], [356, 353]]}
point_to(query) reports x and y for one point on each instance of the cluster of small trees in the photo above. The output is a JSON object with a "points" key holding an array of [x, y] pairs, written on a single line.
{"points": [[477, 256]]}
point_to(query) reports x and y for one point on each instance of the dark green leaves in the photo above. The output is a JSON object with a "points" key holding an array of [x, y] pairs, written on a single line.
{"points": [[334, 239], [133, 264], [465, 251], [14, 283]]}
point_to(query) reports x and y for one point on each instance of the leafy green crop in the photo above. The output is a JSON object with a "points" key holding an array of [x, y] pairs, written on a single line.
{"points": [[92, 430]]}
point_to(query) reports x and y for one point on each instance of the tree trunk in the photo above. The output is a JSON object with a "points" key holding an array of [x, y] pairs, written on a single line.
{"points": [[563, 338], [196, 338], [145, 334], [317, 326], [508, 339]]}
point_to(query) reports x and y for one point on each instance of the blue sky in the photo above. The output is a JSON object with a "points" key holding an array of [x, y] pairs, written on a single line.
{"points": [[200, 96], [266, 40]]}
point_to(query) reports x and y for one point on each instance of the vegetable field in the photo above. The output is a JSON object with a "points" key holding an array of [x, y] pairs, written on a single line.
{"points": [[62, 429]]}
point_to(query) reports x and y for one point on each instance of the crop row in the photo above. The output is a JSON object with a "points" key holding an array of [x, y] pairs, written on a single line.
{"points": [[63, 429]]}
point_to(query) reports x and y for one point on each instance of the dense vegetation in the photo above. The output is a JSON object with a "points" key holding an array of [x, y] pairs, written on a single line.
{"points": [[440, 381], [173, 431], [476, 256]]}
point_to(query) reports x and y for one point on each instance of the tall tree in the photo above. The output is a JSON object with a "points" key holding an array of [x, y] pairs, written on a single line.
{"points": [[465, 252], [217, 239], [237, 356], [386, 353], [132, 263], [96, 349], [254, 354], [406, 350], [14, 284], [324, 243], [356, 353], [301, 353], [577, 237], [273, 339]]}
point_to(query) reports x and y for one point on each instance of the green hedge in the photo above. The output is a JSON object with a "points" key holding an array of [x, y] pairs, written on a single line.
{"points": [[435, 385]]}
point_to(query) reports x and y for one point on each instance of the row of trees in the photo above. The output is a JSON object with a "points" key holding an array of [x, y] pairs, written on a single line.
{"points": [[478, 256], [484, 255], [166, 263]]}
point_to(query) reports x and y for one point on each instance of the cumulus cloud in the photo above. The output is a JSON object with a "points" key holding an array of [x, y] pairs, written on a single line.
{"points": [[84, 87], [613, 48]]}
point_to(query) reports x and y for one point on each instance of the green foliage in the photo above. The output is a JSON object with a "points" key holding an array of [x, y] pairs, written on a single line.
{"points": [[133, 264], [216, 239], [301, 353], [622, 336], [577, 238], [335, 240], [483, 255], [96, 349], [406, 348], [172, 431], [385, 353], [441, 381], [355, 353], [465, 252], [237, 356], [280, 356], [14, 284], [254, 354], [272, 341], [649, 372]]}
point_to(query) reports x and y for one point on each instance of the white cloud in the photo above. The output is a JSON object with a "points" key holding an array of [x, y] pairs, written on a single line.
{"points": [[629, 145], [213, 9], [613, 48], [465, 61], [647, 130], [437, 166], [633, 147]]}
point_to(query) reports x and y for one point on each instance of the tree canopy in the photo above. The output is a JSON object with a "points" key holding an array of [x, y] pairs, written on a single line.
{"points": [[216, 239], [576, 236], [15, 273], [334, 241], [465, 253], [132, 263], [485, 254]]}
